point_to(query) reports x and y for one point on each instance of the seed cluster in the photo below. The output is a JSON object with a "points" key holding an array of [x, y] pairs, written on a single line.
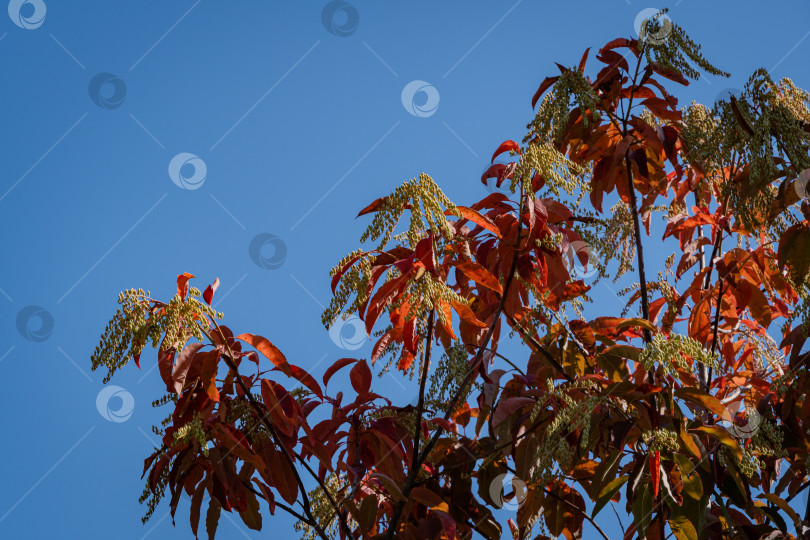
{"points": [[572, 88], [765, 121], [558, 172], [141, 320], [668, 45], [447, 378], [426, 202], [322, 509], [661, 440], [427, 205], [674, 351], [193, 430]]}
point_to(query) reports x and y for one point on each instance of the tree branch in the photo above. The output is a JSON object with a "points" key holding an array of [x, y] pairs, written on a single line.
{"points": [[539, 348], [230, 360], [421, 404], [474, 365]]}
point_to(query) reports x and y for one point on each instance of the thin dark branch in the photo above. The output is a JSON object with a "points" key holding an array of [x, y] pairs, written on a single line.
{"points": [[230, 361], [474, 366], [278, 504], [579, 511], [420, 407], [539, 348], [645, 302]]}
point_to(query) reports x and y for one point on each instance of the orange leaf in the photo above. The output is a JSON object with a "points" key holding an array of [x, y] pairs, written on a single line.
{"points": [[467, 314], [269, 351], [307, 380], [182, 283], [480, 275], [478, 219], [700, 322]]}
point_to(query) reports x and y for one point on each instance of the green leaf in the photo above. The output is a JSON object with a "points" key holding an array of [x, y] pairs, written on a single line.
{"points": [[692, 484], [642, 509], [722, 435], [635, 321], [699, 397], [608, 492], [683, 528]]}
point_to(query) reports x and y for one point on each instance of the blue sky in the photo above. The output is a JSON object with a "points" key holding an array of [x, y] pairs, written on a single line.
{"points": [[292, 128]]}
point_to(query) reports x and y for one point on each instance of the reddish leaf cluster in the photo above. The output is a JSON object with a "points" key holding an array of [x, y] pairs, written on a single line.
{"points": [[598, 410]]}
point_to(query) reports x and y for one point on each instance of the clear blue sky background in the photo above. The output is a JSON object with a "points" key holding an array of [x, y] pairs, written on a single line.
{"points": [[298, 129]]}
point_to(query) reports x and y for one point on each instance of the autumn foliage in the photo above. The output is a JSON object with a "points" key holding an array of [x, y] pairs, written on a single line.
{"points": [[683, 407]]}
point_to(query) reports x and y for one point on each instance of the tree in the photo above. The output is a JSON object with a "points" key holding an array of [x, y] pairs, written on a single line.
{"points": [[689, 416]]}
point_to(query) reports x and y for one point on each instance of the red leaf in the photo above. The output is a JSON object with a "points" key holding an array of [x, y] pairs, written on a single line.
{"points": [[281, 474], [545, 85], [405, 360], [385, 340], [506, 146], [480, 220], [281, 406], [480, 275], [182, 283], [583, 60], [208, 295], [334, 368], [270, 351], [655, 471], [507, 172], [307, 380], [448, 524], [498, 171], [341, 271], [361, 377], [617, 43], [180, 371], [670, 74], [208, 373], [384, 296], [376, 205], [508, 406], [165, 361], [467, 314], [373, 207]]}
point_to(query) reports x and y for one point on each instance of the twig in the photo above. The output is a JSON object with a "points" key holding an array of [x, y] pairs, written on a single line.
{"points": [[474, 365]]}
